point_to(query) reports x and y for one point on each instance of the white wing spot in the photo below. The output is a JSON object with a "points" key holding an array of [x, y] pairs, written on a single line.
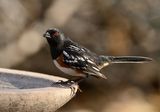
{"points": [[80, 58], [83, 50], [95, 68], [74, 47], [66, 54], [72, 57], [89, 61]]}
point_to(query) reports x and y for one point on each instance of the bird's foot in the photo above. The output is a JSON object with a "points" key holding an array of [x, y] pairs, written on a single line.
{"points": [[64, 83], [68, 83]]}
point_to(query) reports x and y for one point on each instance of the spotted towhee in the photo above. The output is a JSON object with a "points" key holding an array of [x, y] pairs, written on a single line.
{"points": [[77, 60]]}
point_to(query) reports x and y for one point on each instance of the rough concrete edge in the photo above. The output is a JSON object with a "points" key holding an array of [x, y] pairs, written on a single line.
{"points": [[60, 94]]}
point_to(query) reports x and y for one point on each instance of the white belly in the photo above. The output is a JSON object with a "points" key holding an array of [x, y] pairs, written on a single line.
{"points": [[68, 71]]}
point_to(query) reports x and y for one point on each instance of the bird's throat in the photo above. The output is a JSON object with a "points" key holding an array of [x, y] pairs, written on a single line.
{"points": [[56, 51]]}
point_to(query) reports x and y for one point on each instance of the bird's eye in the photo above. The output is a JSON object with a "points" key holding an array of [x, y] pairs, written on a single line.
{"points": [[55, 34]]}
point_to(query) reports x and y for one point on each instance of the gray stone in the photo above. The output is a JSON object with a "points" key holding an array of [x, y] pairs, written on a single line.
{"points": [[22, 91]]}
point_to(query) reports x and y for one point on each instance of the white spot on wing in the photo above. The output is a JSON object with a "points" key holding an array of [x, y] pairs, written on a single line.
{"points": [[80, 58], [66, 54], [72, 57], [74, 47], [104, 65], [95, 68], [83, 50], [89, 61]]}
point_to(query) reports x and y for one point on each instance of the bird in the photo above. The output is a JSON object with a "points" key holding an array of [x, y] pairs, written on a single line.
{"points": [[78, 61]]}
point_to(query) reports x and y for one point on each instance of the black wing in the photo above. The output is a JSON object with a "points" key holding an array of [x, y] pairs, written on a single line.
{"points": [[78, 57]]}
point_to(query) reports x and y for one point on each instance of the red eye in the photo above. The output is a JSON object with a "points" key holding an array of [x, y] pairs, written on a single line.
{"points": [[56, 34]]}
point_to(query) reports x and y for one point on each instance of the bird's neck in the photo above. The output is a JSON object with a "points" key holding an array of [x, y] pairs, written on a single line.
{"points": [[56, 50]]}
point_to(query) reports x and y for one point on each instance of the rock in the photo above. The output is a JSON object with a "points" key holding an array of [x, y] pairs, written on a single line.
{"points": [[32, 92]]}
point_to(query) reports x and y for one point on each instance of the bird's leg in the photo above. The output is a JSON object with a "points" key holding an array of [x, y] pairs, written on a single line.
{"points": [[80, 80], [61, 82], [71, 81], [68, 83]]}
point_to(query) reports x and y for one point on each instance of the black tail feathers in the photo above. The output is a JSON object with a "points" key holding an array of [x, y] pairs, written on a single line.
{"points": [[128, 59], [105, 60]]}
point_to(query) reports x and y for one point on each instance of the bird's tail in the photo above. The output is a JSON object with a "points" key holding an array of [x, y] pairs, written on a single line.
{"points": [[128, 59], [105, 60]]}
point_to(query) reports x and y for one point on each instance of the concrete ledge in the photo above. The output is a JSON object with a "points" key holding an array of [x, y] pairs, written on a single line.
{"points": [[32, 92]]}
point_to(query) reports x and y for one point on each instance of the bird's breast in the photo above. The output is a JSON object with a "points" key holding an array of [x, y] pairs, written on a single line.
{"points": [[67, 70]]}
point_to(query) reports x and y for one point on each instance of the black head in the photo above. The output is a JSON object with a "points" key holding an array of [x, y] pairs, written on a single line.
{"points": [[56, 41], [54, 37]]}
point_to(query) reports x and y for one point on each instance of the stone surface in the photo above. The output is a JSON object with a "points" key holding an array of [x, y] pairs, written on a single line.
{"points": [[22, 91]]}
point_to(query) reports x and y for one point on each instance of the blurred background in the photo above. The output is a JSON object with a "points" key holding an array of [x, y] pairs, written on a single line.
{"points": [[108, 27]]}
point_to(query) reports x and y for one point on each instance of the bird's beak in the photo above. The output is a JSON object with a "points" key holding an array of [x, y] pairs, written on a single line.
{"points": [[46, 35]]}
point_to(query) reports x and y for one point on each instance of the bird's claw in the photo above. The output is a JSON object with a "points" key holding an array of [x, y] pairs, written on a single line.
{"points": [[69, 83], [73, 90], [63, 83]]}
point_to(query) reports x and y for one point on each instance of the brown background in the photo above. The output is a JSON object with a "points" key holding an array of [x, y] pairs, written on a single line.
{"points": [[109, 27]]}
